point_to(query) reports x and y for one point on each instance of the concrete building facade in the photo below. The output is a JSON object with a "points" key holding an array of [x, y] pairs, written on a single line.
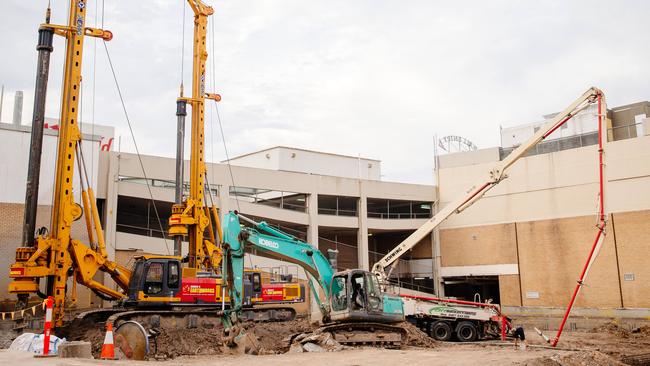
{"points": [[524, 243], [293, 159], [361, 218]]}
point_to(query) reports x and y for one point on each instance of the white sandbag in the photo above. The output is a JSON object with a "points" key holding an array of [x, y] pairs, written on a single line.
{"points": [[37, 344], [30, 342], [23, 342]]}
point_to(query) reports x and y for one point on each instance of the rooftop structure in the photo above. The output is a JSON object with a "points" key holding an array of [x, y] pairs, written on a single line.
{"points": [[291, 159]]}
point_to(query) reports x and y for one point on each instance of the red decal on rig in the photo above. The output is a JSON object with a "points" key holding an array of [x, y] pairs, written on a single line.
{"points": [[196, 290], [16, 271], [272, 293]]}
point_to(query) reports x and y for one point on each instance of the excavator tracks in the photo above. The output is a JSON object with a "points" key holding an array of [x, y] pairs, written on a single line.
{"points": [[375, 334]]}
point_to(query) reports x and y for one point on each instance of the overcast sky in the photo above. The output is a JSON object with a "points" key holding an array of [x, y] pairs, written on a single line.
{"points": [[376, 78]]}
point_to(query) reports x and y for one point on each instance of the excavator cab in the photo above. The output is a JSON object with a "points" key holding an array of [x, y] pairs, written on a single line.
{"points": [[356, 296]]}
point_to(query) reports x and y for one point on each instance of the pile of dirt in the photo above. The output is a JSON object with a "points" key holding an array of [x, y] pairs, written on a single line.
{"points": [[275, 337], [6, 337], [262, 337], [612, 328], [643, 331], [172, 343], [84, 330], [585, 358], [417, 338]]}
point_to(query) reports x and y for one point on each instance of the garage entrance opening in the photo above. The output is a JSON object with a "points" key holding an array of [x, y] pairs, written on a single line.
{"points": [[467, 288]]}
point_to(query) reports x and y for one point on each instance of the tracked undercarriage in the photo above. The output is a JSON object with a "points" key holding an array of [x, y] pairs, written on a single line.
{"points": [[376, 334]]}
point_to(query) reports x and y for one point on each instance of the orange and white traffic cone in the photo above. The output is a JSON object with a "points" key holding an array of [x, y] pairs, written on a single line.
{"points": [[108, 349]]}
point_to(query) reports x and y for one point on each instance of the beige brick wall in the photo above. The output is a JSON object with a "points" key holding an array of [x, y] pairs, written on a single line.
{"points": [[478, 245], [509, 290], [552, 254], [633, 244], [422, 250], [10, 239]]}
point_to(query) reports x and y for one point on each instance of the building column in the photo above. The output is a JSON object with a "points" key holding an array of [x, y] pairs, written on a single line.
{"points": [[312, 212], [362, 233], [224, 200], [439, 288], [110, 214]]}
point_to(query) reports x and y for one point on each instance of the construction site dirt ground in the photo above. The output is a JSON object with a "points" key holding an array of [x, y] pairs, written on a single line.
{"points": [[604, 345]]}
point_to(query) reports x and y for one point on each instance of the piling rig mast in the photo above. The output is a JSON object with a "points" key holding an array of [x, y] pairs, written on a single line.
{"points": [[54, 255], [192, 216]]}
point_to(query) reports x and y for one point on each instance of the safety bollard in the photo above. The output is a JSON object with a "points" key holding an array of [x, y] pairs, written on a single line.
{"points": [[47, 328]]}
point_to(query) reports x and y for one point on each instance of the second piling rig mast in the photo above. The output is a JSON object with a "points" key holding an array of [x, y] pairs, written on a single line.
{"points": [[384, 267], [55, 256], [191, 216]]}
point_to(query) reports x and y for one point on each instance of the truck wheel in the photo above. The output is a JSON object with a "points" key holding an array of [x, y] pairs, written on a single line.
{"points": [[440, 331], [466, 332]]}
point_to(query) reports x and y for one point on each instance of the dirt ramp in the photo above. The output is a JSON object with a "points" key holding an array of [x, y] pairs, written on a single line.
{"points": [[612, 328], [585, 358], [416, 337]]}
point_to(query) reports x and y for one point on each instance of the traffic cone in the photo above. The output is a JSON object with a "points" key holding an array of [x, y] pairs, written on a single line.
{"points": [[108, 349]]}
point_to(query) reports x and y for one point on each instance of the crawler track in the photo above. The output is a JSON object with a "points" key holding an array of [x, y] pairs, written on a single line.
{"points": [[376, 334]]}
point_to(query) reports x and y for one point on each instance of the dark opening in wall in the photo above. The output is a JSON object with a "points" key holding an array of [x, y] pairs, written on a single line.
{"points": [[467, 288], [137, 216]]}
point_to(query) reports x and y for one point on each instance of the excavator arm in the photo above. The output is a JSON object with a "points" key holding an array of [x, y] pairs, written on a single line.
{"points": [[269, 242], [493, 177]]}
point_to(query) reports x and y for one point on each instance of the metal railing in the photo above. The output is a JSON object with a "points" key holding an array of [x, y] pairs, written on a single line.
{"points": [[278, 199], [278, 274], [166, 184], [399, 283], [144, 231], [337, 212], [564, 143], [624, 132], [399, 215]]}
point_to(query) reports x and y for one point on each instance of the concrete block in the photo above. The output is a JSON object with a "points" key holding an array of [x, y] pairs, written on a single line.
{"points": [[75, 349]]}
